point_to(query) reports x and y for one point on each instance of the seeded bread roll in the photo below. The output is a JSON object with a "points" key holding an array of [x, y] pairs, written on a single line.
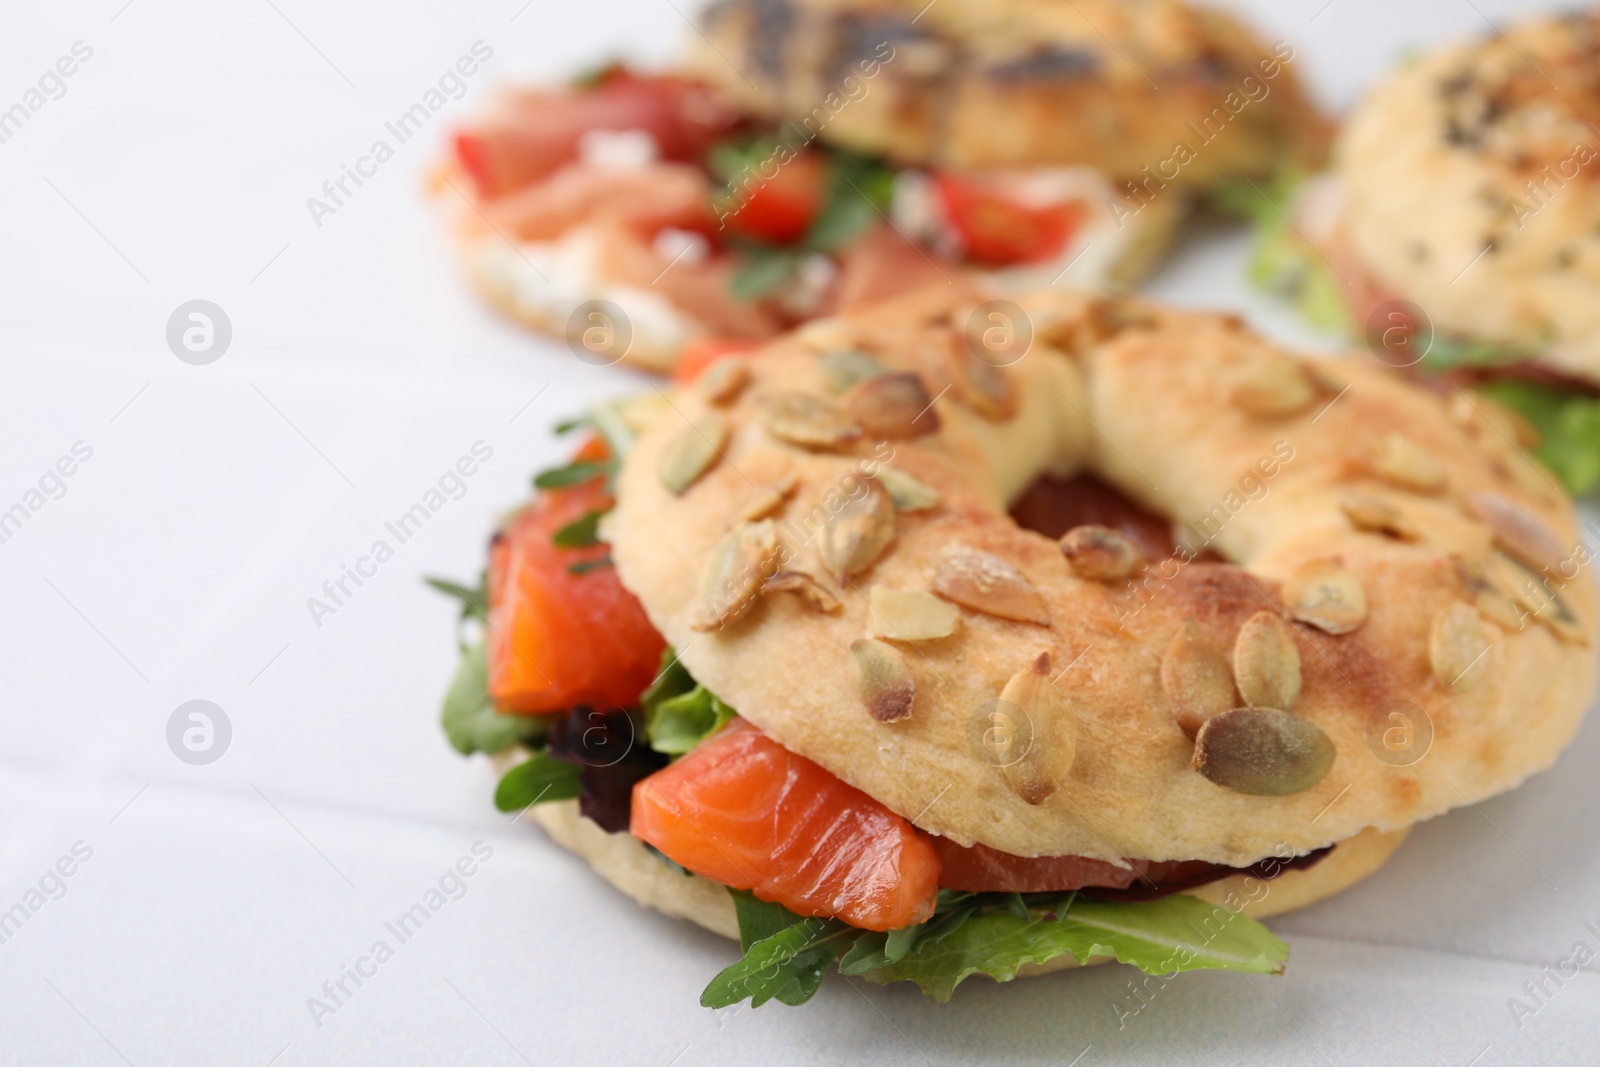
{"points": [[1401, 581], [1469, 180], [621, 860], [1111, 84]]}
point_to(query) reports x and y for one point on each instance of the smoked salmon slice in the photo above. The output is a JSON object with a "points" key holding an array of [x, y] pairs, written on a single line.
{"points": [[981, 869], [743, 810], [563, 632]]}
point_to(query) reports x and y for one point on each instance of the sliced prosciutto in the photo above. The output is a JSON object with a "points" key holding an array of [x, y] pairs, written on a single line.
{"points": [[531, 134]]}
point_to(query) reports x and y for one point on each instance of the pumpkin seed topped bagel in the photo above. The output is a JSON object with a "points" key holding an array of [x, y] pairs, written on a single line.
{"points": [[1377, 608]]}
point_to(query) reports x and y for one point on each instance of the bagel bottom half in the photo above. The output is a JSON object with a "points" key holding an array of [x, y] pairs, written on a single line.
{"points": [[622, 860]]}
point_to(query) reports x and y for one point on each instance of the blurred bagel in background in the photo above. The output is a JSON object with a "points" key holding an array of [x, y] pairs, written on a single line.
{"points": [[969, 84], [812, 159], [1469, 183]]}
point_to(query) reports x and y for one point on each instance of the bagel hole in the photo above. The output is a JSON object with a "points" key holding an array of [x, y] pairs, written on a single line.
{"points": [[1052, 506]]}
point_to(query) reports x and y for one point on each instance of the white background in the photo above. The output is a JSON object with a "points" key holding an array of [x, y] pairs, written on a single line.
{"points": [[219, 498]]}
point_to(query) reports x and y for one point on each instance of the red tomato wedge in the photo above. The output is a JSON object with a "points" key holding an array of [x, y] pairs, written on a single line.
{"points": [[782, 208], [999, 231], [699, 354], [558, 639], [531, 134], [743, 810]]}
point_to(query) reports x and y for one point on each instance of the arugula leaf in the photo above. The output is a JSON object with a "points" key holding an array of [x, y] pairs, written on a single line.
{"points": [[859, 190], [575, 473], [786, 964], [869, 953], [1568, 425], [580, 533], [897, 944], [587, 565], [535, 781], [597, 75], [679, 712], [741, 158], [470, 720], [1179, 933], [762, 269], [474, 601], [758, 919]]}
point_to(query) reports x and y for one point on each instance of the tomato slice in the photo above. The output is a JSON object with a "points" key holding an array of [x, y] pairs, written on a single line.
{"points": [[559, 639], [743, 810], [531, 134], [699, 354], [780, 209], [997, 230]]}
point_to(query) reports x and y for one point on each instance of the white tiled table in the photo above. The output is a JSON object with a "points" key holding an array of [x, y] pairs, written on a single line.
{"points": [[176, 566]]}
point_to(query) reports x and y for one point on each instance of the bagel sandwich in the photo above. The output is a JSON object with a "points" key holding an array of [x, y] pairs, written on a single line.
{"points": [[1457, 227], [882, 651], [811, 159]]}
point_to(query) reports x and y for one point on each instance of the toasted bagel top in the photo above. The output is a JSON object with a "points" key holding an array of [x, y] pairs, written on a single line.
{"points": [[1405, 527], [1003, 83], [1471, 180]]}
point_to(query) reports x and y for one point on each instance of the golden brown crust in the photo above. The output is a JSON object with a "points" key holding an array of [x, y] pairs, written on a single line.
{"points": [[621, 860], [1002, 83], [1192, 416], [1471, 185]]}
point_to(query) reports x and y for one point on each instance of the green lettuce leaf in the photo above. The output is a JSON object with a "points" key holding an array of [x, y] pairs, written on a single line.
{"points": [[679, 712], [680, 723], [1281, 261], [536, 781], [469, 717], [995, 934], [1179, 933], [1568, 425]]}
